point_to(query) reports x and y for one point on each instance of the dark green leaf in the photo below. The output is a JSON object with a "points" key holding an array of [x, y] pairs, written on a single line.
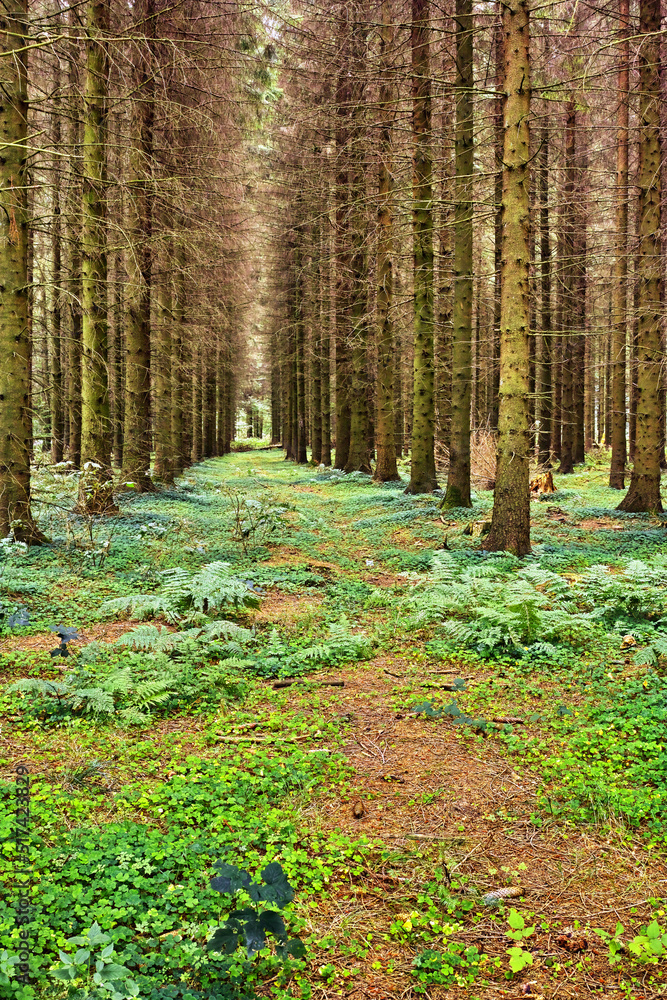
{"points": [[254, 937], [224, 940], [273, 923]]}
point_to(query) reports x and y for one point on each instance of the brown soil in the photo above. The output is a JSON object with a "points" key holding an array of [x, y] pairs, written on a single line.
{"points": [[441, 799], [286, 608], [102, 632]]}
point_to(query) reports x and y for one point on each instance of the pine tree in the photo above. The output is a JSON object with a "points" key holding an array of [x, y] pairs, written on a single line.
{"points": [[15, 416], [510, 523]]}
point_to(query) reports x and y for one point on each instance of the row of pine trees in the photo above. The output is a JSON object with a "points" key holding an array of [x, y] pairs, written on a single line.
{"points": [[455, 254], [410, 223]]}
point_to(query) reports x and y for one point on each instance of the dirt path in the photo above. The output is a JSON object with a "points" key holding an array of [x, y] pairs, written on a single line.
{"points": [[442, 801]]}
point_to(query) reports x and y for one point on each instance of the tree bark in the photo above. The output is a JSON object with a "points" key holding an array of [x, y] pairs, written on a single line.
{"points": [[458, 480], [543, 402], [57, 399], [179, 397], [422, 466], [510, 522], [644, 491], [15, 416], [343, 263], [73, 248], [137, 429], [385, 467], [163, 361], [568, 280], [620, 277], [96, 493], [499, 139]]}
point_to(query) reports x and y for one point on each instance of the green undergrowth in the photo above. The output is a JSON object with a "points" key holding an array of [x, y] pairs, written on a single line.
{"points": [[174, 746], [143, 874]]}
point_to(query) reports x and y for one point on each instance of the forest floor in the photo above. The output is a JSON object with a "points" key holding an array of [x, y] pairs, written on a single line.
{"points": [[457, 723]]}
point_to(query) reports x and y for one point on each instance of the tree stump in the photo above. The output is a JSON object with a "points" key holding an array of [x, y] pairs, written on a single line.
{"points": [[543, 483]]}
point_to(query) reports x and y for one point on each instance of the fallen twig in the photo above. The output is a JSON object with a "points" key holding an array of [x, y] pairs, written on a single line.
{"points": [[289, 683]]}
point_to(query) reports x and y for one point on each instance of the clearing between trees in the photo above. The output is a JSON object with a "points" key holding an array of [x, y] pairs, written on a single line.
{"points": [[422, 769]]}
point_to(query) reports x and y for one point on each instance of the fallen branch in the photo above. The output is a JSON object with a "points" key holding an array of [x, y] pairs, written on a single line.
{"points": [[262, 739], [289, 683]]}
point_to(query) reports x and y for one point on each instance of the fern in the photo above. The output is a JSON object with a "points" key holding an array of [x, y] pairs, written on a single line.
{"points": [[152, 638], [342, 646], [650, 656], [211, 589], [140, 606]]}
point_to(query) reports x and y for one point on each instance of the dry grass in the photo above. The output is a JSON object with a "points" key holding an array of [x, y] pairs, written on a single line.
{"points": [[482, 459]]}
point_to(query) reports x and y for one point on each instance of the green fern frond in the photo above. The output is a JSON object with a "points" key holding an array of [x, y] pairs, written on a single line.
{"points": [[155, 639], [94, 701], [230, 630], [140, 606], [214, 588]]}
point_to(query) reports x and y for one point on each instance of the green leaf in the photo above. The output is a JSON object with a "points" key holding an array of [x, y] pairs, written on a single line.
{"points": [[273, 923], [112, 971], [296, 948], [519, 959], [254, 937], [225, 940], [67, 973]]}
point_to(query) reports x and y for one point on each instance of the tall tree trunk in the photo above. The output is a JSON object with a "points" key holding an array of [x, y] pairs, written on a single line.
{"points": [[96, 495], [620, 278], [73, 247], [197, 403], [445, 269], [579, 301], [510, 522], [458, 480], [208, 396], [422, 465], [316, 344], [275, 389], [568, 415], [443, 331], [116, 358], [137, 430], [325, 362], [544, 403], [343, 262], [499, 55], [385, 468], [162, 363], [179, 395], [644, 491], [15, 416], [55, 347], [301, 455]]}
